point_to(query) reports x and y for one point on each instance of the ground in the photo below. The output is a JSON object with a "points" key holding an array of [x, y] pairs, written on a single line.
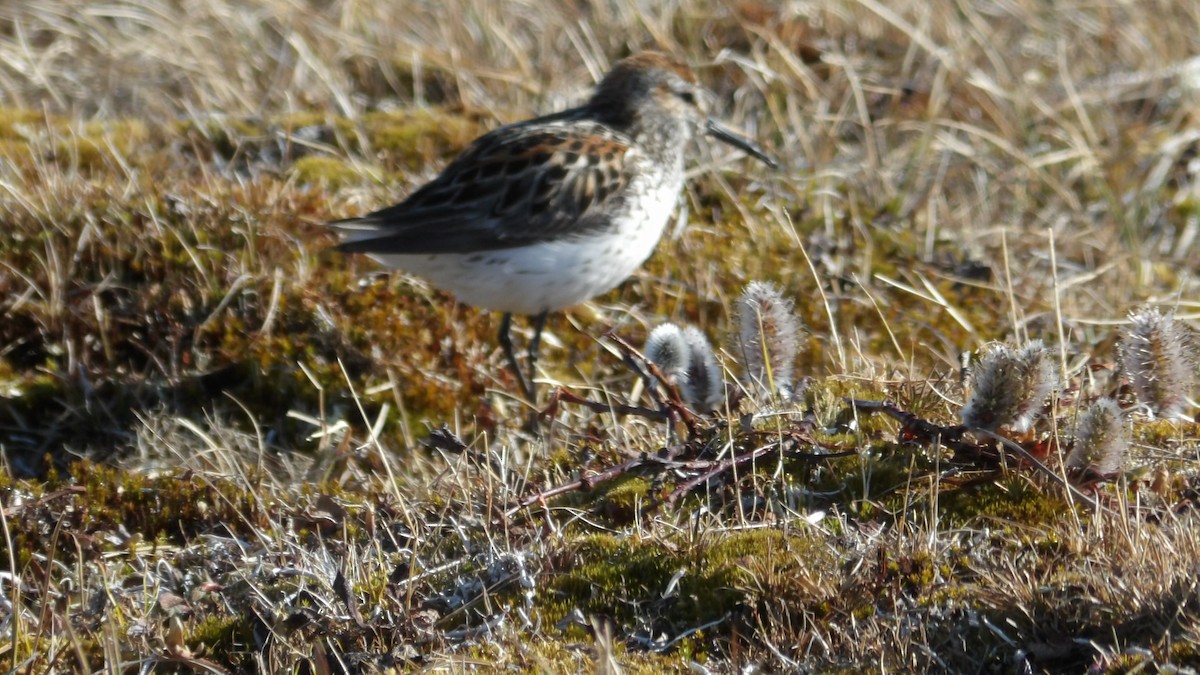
{"points": [[229, 448]]}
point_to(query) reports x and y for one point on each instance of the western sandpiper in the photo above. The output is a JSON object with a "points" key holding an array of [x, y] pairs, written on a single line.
{"points": [[544, 214]]}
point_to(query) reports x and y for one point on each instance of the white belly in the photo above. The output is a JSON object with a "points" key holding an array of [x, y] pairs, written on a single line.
{"points": [[551, 275]]}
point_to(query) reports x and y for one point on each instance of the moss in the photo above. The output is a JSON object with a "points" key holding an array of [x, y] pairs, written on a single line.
{"points": [[620, 499], [637, 581], [223, 637], [1160, 433], [914, 573], [328, 172], [25, 134], [177, 506], [876, 482], [413, 138], [222, 134], [607, 574], [304, 119], [1011, 499], [114, 138], [16, 124], [560, 461], [827, 398], [578, 655], [1183, 653]]}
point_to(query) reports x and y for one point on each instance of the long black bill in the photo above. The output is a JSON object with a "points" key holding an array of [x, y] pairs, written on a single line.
{"points": [[727, 135]]}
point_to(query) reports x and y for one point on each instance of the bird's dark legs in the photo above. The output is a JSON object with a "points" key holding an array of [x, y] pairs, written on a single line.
{"points": [[506, 344], [535, 346], [505, 340]]}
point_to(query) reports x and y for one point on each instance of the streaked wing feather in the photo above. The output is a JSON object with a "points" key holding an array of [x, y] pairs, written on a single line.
{"points": [[516, 186]]}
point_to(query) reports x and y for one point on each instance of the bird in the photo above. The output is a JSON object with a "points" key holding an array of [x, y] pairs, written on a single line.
{"points": [[540, 215]]}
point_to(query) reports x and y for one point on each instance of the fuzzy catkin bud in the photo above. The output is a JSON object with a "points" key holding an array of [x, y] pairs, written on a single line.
{"points": [[1101, 439], [1153, 354], [687, 360], [666, 348], [704, 387], [769, 334], [1010, 387]]}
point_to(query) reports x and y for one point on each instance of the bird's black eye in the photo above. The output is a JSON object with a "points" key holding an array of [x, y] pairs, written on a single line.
{"points": [[688, 97]]}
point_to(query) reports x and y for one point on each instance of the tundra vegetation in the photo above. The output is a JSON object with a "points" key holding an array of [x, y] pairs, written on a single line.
{"points": [[923, 399]]}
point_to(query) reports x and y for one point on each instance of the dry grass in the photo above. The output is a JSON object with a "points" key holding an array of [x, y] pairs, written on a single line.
{"points": [[268, 489]]}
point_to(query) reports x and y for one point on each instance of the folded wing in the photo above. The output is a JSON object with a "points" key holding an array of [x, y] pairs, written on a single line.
{"points": [[515, 186]]}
